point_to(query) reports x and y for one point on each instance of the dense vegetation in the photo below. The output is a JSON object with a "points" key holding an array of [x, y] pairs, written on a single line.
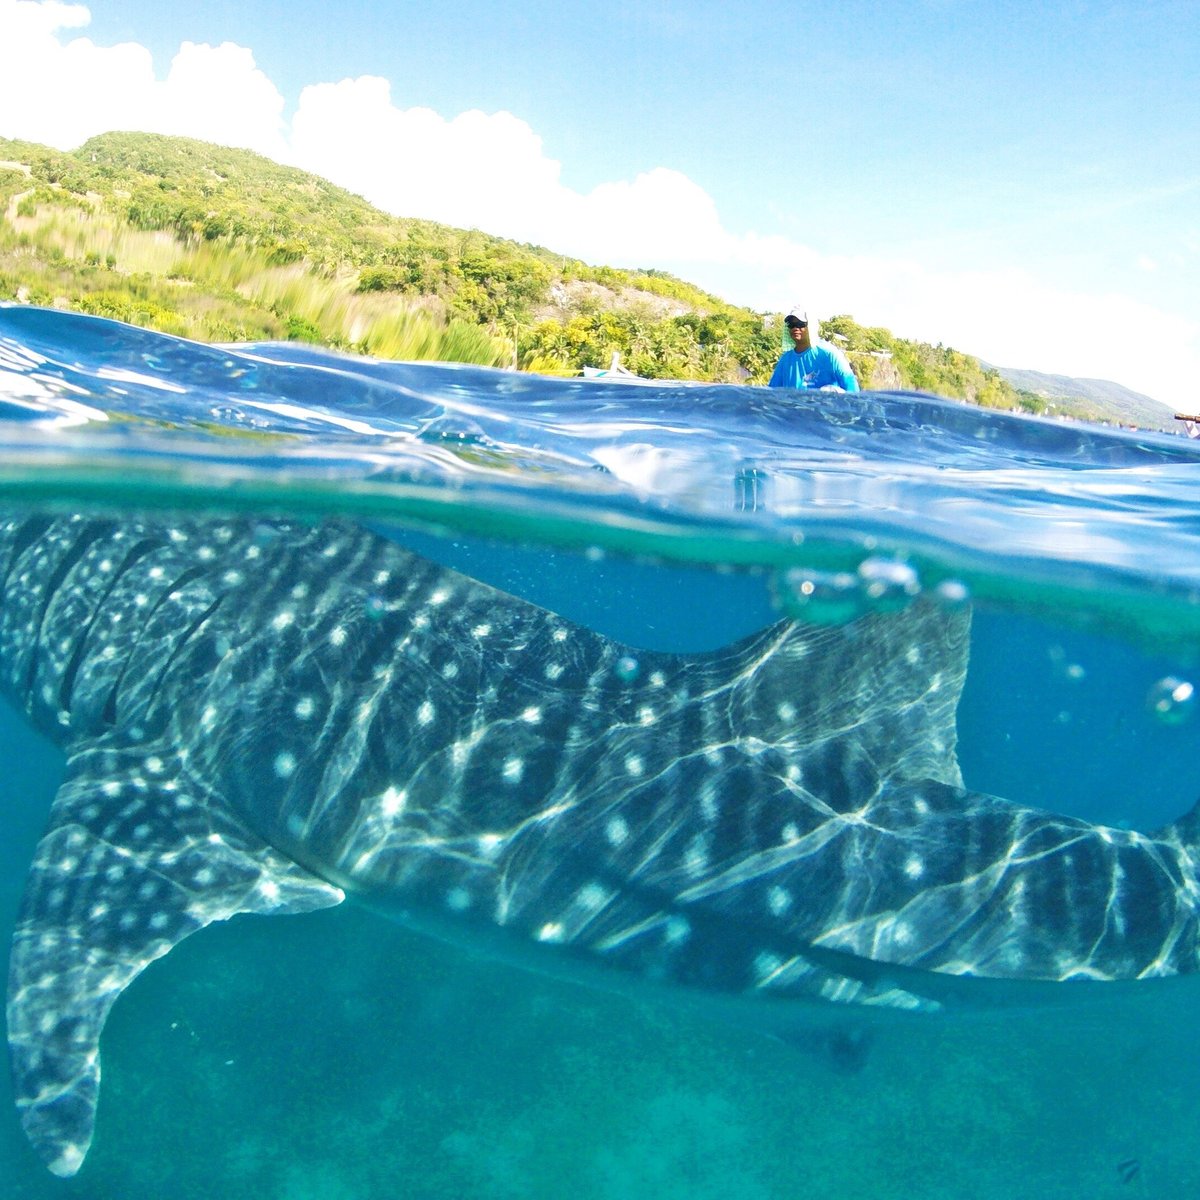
{"points": [[224, 245]]}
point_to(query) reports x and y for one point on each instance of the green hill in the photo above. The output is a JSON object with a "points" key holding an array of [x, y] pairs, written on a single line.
{"points": [[224, 245], [1111, 401]]}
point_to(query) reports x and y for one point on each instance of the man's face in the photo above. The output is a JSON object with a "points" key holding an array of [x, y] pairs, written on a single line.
{"points": [[800, 338]]}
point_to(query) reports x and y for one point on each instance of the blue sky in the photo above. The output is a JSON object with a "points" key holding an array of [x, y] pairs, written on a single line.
{"points": [[1019, 180]]}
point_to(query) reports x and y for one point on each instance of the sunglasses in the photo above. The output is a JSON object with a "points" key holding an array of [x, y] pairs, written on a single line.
{"points": [[796, 324]]}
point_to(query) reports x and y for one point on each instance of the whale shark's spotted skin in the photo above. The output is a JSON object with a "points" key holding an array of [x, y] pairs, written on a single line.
{"points": [[260, 717]]}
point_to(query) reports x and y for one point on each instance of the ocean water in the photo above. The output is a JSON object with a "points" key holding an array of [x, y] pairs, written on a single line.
{"points": [[340, 1055]]}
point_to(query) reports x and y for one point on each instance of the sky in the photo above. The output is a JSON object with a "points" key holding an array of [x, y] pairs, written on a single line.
{"points": [[1014, 178]]}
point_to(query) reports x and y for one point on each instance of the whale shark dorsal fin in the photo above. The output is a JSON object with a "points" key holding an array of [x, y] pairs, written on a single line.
{"points": [[133, 861], [882, 690]]}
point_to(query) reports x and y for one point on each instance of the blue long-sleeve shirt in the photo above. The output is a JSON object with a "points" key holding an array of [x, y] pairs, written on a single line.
{"points": [[821, 365]]}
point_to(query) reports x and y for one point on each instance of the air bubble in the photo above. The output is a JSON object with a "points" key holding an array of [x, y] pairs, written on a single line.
{"points": [[953, 592], [822, 597], [888, 583], [453, 428], [1073, 672], [1172, 700], [374, 607]]}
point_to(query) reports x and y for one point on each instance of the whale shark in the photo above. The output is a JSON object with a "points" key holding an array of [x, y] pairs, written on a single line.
{"points": [[266, 716]]}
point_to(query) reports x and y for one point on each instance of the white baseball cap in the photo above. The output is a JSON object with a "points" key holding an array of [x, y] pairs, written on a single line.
{"points": [[801, 314]]}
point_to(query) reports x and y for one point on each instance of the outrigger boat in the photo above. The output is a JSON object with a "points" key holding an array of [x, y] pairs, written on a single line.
{"points": [[615, 370]]}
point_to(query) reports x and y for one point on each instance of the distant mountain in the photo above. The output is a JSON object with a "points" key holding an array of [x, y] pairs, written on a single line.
{"points": [[1098, 396]]}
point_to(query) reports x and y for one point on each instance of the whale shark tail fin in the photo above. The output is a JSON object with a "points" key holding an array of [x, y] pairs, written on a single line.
{"points": [[132, 862]]}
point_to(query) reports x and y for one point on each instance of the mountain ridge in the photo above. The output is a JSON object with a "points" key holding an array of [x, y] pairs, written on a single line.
{"points": [[1122, 403]]}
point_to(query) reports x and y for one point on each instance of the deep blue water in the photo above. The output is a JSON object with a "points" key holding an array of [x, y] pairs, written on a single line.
{"points": [[338, 1055]]}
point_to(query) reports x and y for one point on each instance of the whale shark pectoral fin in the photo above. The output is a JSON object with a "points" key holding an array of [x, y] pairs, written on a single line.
{"points": [[133, 861]]}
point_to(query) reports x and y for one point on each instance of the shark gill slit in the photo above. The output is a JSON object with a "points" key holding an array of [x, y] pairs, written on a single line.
{"points": [[91, 534], [71, 671]]}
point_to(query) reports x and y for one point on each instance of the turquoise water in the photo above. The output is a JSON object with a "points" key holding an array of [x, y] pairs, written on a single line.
{"points": [[338, 1055]]}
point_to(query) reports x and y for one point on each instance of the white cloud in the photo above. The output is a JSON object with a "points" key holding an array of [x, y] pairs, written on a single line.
{"points": [[61, 92], [473, 170], [1006, 317], [218, 94], [491, 171]]}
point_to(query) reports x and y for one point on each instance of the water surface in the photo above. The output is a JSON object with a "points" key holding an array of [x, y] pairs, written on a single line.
{"points": [[339, 1055]]}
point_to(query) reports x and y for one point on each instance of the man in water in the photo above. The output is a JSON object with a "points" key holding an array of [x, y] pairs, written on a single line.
{"points": [[811, 363]]}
